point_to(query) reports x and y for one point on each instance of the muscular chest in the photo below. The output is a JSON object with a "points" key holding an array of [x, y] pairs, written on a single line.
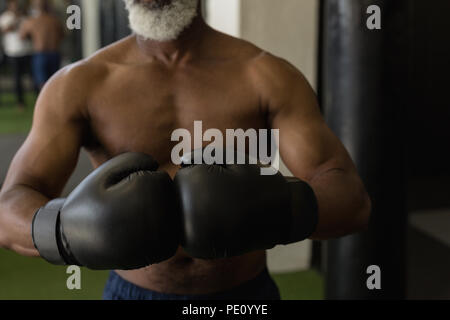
{"points": [[139, 110]]}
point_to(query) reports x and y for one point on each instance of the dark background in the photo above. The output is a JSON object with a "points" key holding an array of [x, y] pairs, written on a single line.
{"points": [[427, 118]]}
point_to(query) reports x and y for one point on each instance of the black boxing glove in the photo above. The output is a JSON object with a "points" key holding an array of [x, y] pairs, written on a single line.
{"points": [[122, 216], [230, 210]]}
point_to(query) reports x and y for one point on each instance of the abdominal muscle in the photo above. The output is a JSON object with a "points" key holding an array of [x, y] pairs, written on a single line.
{"points": [[184, 275]]}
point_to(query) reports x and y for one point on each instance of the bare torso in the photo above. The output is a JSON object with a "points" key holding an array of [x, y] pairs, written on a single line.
{"points": [[136, 106], [45, 31]]}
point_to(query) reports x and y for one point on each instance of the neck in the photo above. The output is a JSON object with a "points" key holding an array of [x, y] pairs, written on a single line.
{"points": [[178, 49]]}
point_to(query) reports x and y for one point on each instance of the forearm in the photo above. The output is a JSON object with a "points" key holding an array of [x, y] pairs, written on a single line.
{"points": [[344, 206], [18, 205]]}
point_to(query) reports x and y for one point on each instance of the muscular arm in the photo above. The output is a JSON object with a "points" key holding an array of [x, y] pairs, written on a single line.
{"points": [[43, 164], [312, 152]]}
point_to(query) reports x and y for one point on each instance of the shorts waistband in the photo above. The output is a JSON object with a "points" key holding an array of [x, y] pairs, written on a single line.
{"points": [[262, 287]]}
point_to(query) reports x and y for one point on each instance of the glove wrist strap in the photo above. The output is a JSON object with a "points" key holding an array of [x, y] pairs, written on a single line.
{"points": [[45, 232]]}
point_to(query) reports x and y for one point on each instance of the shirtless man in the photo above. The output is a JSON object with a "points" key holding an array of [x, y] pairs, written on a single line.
{"points": [[131, 96], [46, 33], [16, 49]]}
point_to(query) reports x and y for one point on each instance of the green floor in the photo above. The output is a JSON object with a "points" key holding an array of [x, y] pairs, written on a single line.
{"points": [[29, 278], [11, 119], [306, 285]]}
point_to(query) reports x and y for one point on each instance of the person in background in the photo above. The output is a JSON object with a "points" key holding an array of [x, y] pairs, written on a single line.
{"points": [[17, 50], [47, 33]]}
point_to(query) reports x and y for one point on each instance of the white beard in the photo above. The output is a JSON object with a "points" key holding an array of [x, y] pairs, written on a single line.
{"points": [[161, 24]]}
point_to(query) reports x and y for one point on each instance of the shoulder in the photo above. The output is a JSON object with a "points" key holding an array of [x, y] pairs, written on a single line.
{"points": [[272, 77], [231, 48], [258, 62], [69, 90], [279, 84], [274, 73], [79, 80], [81, 74], [94, 68]]}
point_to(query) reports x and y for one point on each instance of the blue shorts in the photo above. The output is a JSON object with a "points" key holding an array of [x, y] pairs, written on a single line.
{"points": [[260, 288], [45, 65]]}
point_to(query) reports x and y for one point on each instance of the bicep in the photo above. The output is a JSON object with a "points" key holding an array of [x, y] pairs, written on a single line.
{"points": [[50, 153], [310, 149], [307, 145]]}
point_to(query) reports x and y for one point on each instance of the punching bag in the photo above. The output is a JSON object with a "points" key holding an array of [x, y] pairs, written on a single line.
{"points": [[365, 76]]}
